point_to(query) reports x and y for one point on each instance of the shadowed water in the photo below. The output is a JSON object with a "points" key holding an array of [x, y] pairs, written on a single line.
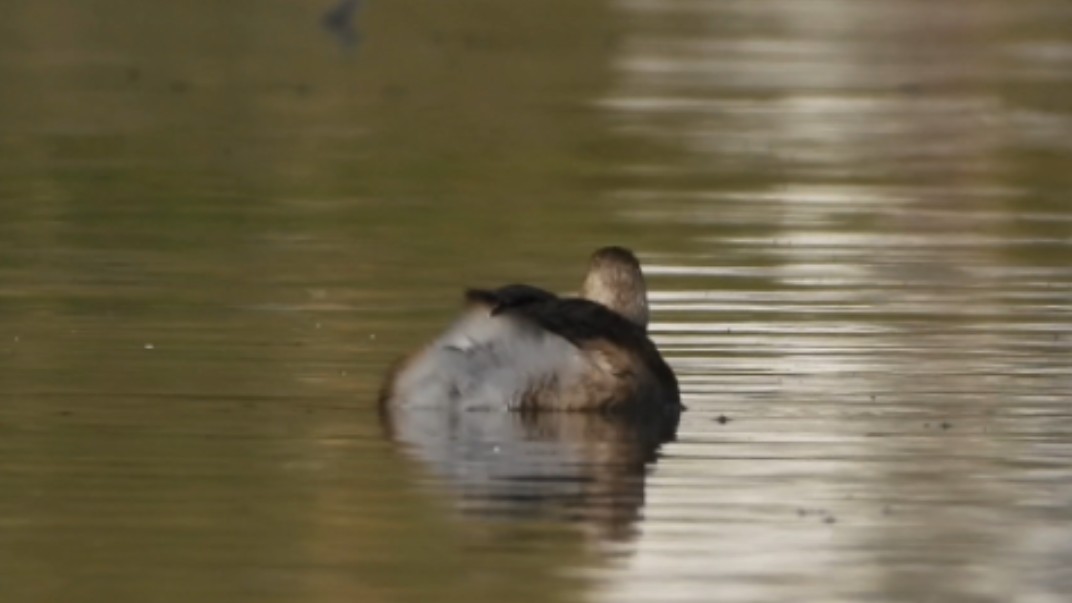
{"points": [[220, 224]]}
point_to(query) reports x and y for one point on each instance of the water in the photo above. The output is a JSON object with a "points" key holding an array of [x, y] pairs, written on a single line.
{"points": [[219, 224]]}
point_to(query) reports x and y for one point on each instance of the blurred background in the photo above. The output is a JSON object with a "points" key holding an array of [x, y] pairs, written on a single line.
{"points": [[221, 221]]}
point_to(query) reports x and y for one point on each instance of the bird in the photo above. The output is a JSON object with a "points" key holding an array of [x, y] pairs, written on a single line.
{"points": [[523, 348]]}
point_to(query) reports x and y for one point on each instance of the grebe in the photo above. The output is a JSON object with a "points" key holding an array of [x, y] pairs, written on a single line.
{"points": [[523, 348]]}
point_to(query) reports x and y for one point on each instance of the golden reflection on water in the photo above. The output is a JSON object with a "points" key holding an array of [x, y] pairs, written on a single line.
{"points": [[219, 226]]}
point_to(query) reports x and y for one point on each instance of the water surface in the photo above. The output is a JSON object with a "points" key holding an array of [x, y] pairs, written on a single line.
{"points": [[219, 224]]}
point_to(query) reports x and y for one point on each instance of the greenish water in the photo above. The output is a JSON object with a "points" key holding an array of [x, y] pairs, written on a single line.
{"points": [[219, 225]]}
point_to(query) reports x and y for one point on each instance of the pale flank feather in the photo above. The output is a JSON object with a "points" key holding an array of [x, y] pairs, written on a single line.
{"points": [[484, 361]]}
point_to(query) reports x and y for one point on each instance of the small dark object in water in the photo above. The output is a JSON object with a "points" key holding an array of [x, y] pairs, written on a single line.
{"points": [[508, 297], [830, 519], [722, 419], [946, 425], [339, 20]]}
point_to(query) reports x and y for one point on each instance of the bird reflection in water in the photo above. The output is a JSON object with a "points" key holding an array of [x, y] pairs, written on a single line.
{"points": [[586, 468]]}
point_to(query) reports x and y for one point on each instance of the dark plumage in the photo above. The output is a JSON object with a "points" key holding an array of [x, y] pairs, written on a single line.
{"points": [[508, 297], [580, 321]]}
